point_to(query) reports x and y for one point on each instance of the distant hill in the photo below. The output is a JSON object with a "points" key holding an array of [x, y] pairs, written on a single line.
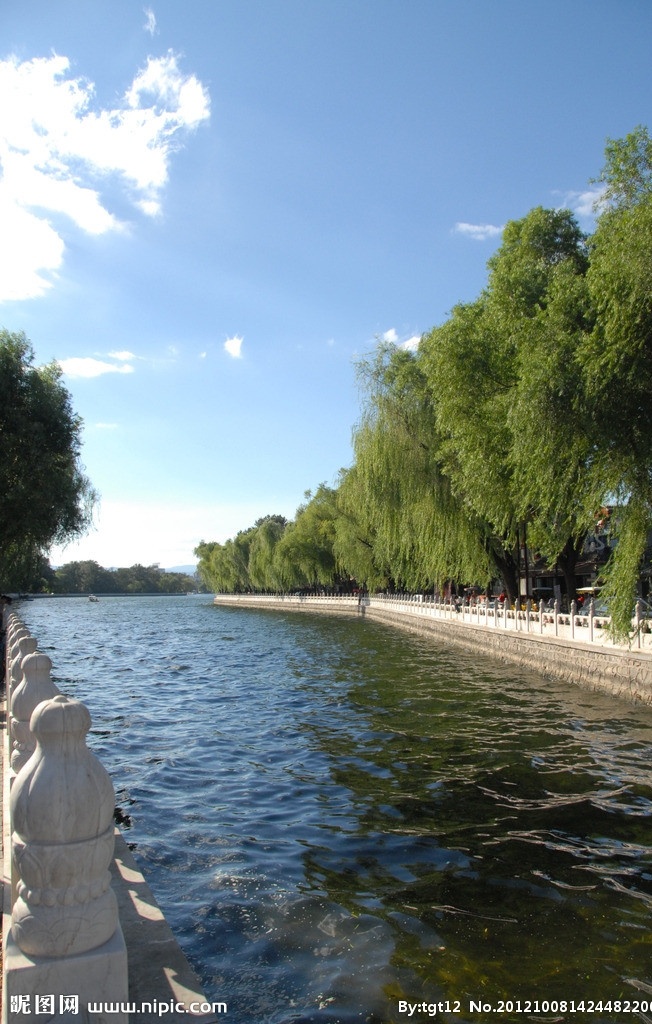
{"points": [[189, 570]]}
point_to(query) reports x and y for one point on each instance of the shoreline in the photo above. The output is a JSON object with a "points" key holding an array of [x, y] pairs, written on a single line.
{"points": [[619, 671]]}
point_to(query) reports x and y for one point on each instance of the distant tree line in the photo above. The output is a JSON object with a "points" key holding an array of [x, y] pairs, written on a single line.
{"points": [[518, 419], [90, 578]]}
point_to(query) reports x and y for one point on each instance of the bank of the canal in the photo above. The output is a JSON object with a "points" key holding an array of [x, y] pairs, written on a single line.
{"points": [[620, 670]]}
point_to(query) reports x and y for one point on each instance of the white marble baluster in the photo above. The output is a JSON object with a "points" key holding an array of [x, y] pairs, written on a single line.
{"points": [[62, 805], [23, 644], [15, 632], [34, 687]]}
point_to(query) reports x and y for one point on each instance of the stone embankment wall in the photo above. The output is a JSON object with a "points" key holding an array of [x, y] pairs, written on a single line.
{"points": [[621, 670]]}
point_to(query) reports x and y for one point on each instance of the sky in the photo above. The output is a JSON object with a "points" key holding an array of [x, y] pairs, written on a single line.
{"points": [[211, 211]]}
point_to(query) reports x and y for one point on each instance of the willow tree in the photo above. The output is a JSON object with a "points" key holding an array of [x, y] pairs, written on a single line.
{"points": [[421, 534], [204, 552], [501, 369], [618, 358], [224, 568], [538, 294], [45, 498], [551, 425], [263, 565], [306, 549], [354, 540], [470, 371]]}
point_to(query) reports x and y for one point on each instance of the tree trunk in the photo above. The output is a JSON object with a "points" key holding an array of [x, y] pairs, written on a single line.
{"points": [[567, 562], [507, 565]]}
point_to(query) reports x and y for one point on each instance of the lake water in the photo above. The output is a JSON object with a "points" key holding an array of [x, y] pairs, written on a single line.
{"points": [[339, 819]]}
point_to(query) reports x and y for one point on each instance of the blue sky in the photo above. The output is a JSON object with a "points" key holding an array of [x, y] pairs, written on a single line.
{"points": [[211, 210]]}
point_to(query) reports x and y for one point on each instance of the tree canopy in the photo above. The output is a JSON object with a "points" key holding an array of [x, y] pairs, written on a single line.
{"points": [[45, 497], [617, 359]]}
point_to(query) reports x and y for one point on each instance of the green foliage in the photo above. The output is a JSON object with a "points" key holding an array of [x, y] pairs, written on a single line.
{"points": [[621, 575], [246, 562], [470, 370], [88, 577], [27, 569], [551, 417], [224, 567], [265, 569], [44, 496], [521, 269], [627, 173], [85, 577], [504, 380], [400, 489], [353, 543], [618, 357]]}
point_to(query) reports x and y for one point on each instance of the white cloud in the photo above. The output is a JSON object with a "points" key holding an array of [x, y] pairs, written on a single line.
{"points": [[584, 204], [123, 356], [33, 255], [42, 190], [411, 344], [58, 151], [392, 338], [91, 367], [478, 232], [234, 346], [150, 22]]}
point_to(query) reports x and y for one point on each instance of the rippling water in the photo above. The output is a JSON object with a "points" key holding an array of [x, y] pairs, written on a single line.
{"points": [[336, 816]]}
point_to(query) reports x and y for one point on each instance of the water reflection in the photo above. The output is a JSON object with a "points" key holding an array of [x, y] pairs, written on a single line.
{"points": [[335, 816]]}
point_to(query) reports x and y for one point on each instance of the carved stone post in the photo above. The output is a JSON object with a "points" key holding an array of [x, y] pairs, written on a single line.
{"points": [[62, 805], [65, 939], [14, 636], [12, 623], [637, 620], [23, 645], [35, 687], [15, 626], [591, 617]]}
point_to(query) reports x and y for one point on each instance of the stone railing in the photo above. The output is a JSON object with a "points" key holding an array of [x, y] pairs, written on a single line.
{"points": [[583, 626], [63, 944], [577, 625]]}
